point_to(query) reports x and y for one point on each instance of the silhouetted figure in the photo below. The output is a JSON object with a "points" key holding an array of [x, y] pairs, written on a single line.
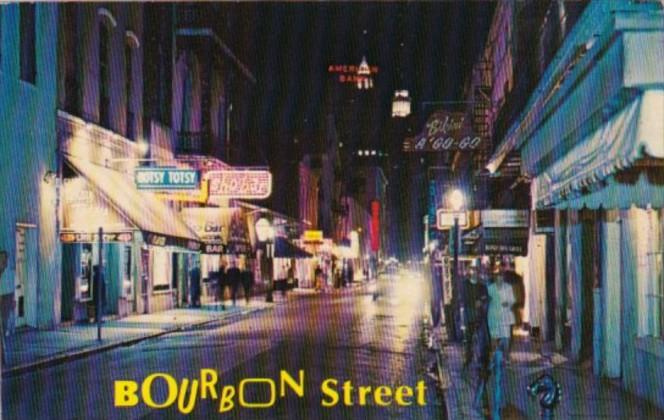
{"points": [[195, 286], [233, 279], [247, 284]]}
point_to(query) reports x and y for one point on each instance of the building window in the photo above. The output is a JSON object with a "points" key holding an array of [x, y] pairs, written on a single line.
{"points": [[85, 274], [161, 270], [27, 36], [104, 75], [127, 283], [187, 101], [70, 55], [129, 63]]}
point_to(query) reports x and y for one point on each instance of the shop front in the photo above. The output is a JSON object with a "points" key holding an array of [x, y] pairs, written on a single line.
{"points": [[142, 256], [594, 149], [321, 249]]}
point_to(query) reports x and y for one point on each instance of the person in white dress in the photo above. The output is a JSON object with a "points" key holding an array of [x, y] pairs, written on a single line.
{"points": [[501, 318]]}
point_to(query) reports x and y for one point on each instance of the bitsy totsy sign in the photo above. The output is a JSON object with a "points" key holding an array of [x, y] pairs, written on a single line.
{"points": [[444, 131], [166, 179]]}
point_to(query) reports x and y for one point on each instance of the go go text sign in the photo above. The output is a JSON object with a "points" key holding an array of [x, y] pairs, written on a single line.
{"points": [[240, 183], [166, 179], [444, 132]]}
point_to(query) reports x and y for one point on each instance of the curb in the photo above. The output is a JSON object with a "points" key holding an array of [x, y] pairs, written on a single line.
{"points": [[443, 377], [86, 352]]}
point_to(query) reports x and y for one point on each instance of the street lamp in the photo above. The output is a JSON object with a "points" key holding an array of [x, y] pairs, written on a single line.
{"points": [[265, 234], [456, 201]]}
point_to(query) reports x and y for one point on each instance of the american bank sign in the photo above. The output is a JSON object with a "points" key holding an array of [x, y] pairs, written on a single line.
{"points": [[240, 183]]}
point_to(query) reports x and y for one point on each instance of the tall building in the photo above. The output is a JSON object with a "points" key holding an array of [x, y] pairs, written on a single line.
{"points": [[28, 162], [589, 137]]}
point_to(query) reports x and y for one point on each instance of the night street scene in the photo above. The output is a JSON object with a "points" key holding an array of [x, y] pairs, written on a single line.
{"points": [[332, 210]]}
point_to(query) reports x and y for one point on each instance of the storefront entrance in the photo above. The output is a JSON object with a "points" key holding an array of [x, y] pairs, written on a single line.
{"points": [[26, 275]]}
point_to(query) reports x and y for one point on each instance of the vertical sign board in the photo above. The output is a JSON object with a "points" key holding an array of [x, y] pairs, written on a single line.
{"points": [[375, 225]]}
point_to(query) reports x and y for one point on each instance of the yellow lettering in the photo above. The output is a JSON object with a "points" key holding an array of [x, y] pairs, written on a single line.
{"points": [[209, 379], [327, 388], [286, 379], [364, 391], [146, 390], [380, 392], [420, 393], [348, 391], [226, 400], [125, 393], [186, 409], [273, 393], [401, 394]]}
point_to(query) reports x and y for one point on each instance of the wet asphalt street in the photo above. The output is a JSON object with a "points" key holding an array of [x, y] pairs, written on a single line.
{"points": [[370, 336]]}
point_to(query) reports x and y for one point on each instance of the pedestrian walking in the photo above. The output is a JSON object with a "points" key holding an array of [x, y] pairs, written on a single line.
{"points": [[482, 355], [247, 283], [6, 300], [234, 279], [98, 289], [501, 319], [222, 283], [475, 299], [195, 285], [516, 281], [318, 278]]}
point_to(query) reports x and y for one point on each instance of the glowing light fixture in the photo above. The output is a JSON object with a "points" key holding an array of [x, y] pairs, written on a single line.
{"points": [[401, 104], [456, 200]]}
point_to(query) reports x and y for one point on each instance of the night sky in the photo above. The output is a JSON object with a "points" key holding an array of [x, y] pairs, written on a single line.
{"points": [[426, 48]]}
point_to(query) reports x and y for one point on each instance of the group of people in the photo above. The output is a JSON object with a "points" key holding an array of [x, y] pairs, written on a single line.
{"points": [[341, 272], [490, 307], [227, 278]]}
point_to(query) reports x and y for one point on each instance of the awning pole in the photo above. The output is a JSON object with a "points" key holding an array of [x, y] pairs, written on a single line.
{"points": [[100, 280]]}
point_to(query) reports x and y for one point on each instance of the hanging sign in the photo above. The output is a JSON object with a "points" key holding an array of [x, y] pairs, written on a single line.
{"points": [[166, 179], [375, 225], [444, 132], [240, 183], [313, 237], [504, 218], [445, 219], [81, 237]]}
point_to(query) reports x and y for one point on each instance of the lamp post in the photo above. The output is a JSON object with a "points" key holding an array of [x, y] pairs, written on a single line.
{"points": [[265, 234], [456, 202]]}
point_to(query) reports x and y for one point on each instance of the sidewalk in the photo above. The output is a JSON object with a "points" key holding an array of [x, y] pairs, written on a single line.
{"points": [[34, 349], [584, 396]]}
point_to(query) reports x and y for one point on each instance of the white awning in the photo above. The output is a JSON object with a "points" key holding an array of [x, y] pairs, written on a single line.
{"points": [[142, 209], [636, 132]]}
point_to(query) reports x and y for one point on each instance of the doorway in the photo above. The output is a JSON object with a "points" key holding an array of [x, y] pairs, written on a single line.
{"points": [[25, 292]]}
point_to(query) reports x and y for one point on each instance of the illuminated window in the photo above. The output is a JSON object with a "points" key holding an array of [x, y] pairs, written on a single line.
{"points": [[161, 269], [127, 283]]}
